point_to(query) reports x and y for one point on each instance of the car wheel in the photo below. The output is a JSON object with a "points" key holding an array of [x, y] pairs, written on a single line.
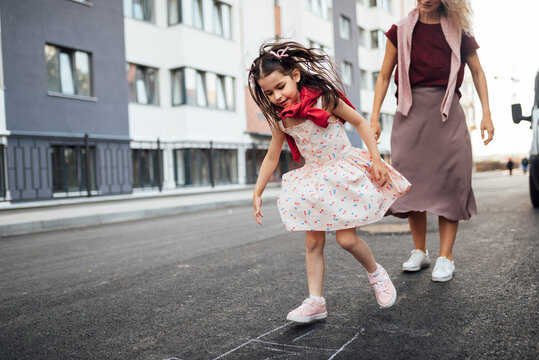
{"points": [[534, 191]]}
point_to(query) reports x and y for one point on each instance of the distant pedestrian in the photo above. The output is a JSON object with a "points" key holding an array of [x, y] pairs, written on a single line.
{"points": [[340, 187], [510, 166], [524, 164], [430, 142]]}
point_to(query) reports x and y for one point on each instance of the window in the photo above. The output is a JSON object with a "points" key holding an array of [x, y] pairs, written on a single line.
{"points": [[213, 16], [139, 9], [225, 166], [362, 37], [377, 39], [200, 88], [347, 73], [2, 171], [192, 166], [383, 4], [317, 45], [318, 7], [221, 19], [344, 27], [70, 167], [142, 84], [386, 121], [362, 79], [146, 168], [174, 12], [374, 78], [68, 71]]}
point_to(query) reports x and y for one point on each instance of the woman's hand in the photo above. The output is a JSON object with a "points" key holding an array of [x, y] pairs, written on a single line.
{"points": [[486, 125], [257, 205], [380, 173], [375, 127]]}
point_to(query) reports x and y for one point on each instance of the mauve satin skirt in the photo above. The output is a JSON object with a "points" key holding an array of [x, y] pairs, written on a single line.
{"points": [[435, 156]]}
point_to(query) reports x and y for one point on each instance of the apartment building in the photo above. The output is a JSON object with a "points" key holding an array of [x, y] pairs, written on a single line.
{"points": [[346, 40], [101, 97], [64, 127], [309, 22], [374, 18], [186, 109]]}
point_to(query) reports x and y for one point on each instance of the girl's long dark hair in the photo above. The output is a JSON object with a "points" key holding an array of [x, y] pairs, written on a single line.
{"points": [[316, 68]]}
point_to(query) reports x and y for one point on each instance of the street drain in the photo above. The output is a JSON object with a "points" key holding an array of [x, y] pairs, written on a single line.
{"points": [[386, 228]]}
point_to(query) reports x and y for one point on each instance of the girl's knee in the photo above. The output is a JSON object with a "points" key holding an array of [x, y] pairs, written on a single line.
{"points": [[314, 242], [347, 240]]}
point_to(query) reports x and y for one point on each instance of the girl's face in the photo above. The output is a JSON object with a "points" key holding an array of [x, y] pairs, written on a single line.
{"points": [[428, 6], [281, 90]]}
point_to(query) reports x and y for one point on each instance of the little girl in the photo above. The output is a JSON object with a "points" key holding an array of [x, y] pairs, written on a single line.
{"points": [[339, 187]]}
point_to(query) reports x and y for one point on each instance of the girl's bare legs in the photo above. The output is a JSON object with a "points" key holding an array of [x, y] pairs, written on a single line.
{"points": [[314, 259], [418, 227], [356, 246], [448, 233]]}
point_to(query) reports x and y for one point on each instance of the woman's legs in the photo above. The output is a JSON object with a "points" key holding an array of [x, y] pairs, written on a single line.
{"points": [[314, 259], [418, 227], [448, 233], [352, 243]]}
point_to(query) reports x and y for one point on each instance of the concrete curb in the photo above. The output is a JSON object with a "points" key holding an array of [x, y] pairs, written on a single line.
{"points": [[110, 218]]}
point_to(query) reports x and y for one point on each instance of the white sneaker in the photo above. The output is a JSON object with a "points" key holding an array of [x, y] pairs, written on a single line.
{"points": [[443, 269], [417, 261]]}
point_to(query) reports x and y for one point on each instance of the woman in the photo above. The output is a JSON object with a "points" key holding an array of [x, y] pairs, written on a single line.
{"points": [[430, 143]]}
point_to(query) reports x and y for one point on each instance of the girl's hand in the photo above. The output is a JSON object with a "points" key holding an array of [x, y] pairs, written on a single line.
{"points": [[257, 204], [375, 128], [486, 125], [380, 173]]}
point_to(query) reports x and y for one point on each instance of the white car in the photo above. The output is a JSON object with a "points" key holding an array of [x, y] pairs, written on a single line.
{"points": [[534, 151]]}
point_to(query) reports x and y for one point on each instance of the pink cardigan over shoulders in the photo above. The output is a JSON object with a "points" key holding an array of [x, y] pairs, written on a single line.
{"points": [[405, 29]]}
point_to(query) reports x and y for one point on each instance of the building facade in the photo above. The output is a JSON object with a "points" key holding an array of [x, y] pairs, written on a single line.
{"points": [[64, 128], [374, 18], [186, 104], [102, 97]]}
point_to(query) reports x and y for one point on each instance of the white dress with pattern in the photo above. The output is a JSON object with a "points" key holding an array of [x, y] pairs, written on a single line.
{"points": [[335, 189]]}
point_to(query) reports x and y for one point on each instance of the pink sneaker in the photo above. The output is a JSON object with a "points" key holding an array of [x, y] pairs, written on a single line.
{"points": [[385, 292], [308, 311]]}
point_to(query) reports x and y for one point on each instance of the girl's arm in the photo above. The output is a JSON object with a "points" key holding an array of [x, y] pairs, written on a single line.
{"points": [[382, 83], [270, 162], [480, 82], [345, 112]]}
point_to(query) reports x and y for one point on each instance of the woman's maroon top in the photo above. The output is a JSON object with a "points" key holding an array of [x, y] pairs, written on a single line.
{"points": [[430, 61]]}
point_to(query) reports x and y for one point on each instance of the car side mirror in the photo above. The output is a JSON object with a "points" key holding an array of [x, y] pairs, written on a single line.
{"points": [[516, 111]]}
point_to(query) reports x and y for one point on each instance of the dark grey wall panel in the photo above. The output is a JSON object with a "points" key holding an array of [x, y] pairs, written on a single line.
{"points": [[28, 169], [114, 175], [30, 166]]}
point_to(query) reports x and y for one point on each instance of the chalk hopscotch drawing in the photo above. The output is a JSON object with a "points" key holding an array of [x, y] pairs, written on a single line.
{"points": [[319, 340]]}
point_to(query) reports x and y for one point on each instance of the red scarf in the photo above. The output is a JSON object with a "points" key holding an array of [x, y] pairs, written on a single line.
{"points": [[304, 110]]}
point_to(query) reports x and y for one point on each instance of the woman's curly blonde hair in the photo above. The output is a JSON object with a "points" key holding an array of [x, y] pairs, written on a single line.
{"points": [[460, 11]]}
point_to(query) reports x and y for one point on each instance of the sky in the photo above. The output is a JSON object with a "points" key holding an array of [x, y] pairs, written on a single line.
{"points": [[508, 36]]}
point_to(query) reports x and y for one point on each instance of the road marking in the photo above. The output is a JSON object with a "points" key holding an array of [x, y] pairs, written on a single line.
{"points": [[293, 346], [342, 347], [286, 353], [302, 336], [250, 341]]}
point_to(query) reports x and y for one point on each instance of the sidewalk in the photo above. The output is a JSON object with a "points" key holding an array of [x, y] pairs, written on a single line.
{"points": [[60, 214], [105, 211]]}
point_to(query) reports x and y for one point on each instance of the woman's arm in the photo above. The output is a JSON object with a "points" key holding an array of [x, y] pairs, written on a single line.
{"points": [[270, 162], [382, 83], [480, 82], [348, 114]]}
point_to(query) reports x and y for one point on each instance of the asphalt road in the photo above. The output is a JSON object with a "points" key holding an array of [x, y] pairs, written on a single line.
{"points": [[214, 285]]}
